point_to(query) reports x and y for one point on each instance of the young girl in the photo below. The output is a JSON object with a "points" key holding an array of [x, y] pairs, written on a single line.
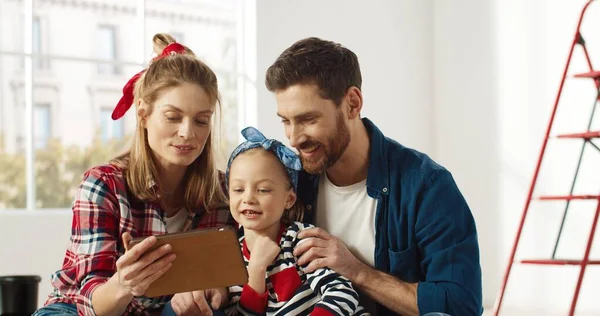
{"points": [[166, 182], [262, 177]]}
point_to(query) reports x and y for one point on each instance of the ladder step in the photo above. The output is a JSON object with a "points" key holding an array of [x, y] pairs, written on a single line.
{"points": [[586, 135], [568, 197], [591, 74], [558, 262]]}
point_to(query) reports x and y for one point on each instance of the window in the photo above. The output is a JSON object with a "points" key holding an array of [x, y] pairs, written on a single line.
{"points": [[41, 125], [37, 42], [109, 129], [39, 39], [95, 49], [106, 48]]}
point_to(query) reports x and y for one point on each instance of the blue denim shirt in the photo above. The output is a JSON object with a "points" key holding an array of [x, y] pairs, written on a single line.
{"points": [[425, 231]]}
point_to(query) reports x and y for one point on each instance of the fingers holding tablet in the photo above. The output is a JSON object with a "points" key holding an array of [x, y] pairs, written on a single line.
{"points": [[139, 267]]}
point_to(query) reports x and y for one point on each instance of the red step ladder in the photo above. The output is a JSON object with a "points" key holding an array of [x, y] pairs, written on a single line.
{"points": [[587, 138]]}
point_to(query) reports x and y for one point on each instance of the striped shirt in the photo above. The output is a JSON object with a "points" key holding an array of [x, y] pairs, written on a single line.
{"points": [[102, 211], [290, 290]]}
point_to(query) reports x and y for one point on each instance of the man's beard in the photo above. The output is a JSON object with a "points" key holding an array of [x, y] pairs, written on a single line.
{"points": [[336, 145]]}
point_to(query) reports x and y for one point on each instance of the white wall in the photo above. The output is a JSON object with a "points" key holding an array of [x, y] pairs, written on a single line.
{"points": [[466, 132], [34, 243], [497, 67], [394, 44]]}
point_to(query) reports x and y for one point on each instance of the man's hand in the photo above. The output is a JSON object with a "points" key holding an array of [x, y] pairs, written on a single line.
{"points": [[319, 249], [197, 302], [217, 298]]}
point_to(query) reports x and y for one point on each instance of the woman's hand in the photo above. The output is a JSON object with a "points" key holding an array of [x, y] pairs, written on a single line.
{"points": [[138, 268], [199, 302]]}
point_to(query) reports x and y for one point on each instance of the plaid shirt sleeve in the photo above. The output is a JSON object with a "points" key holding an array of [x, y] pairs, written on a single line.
{"points": [[93, 253]]}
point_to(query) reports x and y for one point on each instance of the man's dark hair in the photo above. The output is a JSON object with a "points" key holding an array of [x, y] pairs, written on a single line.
{"points": [[332, 67]]}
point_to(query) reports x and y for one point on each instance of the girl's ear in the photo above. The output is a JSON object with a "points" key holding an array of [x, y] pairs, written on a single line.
{"points": [[291, 199]]}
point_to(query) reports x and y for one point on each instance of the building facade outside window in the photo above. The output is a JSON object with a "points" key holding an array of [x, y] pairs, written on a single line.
{"points": [[83, 52]]}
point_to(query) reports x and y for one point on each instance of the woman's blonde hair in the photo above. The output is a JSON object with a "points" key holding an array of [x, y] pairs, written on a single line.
{"points": [[201, 182]]}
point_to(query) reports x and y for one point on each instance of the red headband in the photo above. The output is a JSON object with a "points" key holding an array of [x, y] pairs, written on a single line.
{"points": [[127, 98]]}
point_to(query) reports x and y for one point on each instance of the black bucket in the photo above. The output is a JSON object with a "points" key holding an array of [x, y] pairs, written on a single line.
{"points": [[18, 294]]}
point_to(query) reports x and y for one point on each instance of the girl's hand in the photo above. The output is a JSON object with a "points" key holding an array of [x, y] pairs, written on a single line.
{"points": [[264, 252]]}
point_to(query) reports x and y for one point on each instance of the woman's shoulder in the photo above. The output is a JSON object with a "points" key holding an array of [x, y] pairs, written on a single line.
{"points": [[105, 170], [104, 177]]}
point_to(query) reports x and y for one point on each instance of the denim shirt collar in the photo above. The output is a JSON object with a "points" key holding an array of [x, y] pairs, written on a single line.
{"points": [[378, 176]]}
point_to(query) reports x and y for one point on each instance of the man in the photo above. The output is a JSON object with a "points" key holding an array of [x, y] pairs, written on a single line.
{"points": [[390, 219]]}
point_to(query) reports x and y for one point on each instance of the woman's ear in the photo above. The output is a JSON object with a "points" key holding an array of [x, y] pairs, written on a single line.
{"points": [[291, 199], [141, 112]]}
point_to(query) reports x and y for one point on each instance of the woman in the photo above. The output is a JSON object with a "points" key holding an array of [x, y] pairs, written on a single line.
{"points": [[166, 182]]}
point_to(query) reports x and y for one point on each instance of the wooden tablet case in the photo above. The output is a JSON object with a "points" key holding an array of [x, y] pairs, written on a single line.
{"points": [[206, 259]]}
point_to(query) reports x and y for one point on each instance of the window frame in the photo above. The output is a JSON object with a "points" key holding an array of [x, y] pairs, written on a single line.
{"points": [[109, 69], [246, 74]]}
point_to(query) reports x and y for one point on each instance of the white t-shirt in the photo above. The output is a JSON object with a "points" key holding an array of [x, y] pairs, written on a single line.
{"points": [[175, 223], [348, 213]]}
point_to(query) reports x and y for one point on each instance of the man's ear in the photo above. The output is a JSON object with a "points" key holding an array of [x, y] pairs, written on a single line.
{"points": [[291, 199], [354, 99]]}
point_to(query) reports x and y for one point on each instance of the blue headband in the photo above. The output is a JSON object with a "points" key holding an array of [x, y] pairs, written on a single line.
{"points": [[255, 139]]}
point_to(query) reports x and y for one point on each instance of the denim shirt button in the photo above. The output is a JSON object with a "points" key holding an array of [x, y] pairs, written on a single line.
{"points": [[384, 190], [309, 207]]}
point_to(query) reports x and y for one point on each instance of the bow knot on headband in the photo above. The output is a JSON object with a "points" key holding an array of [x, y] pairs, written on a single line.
{"points": [[255, 139], [127, 99]]}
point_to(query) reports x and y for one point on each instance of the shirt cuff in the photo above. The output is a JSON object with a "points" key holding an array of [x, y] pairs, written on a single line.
{"points": [[251, 300], [91, 285], [85, 293], [429, 298]]}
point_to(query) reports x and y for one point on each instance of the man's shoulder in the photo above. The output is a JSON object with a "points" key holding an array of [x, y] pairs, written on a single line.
{"points": [[411, 164], [389, 157]]}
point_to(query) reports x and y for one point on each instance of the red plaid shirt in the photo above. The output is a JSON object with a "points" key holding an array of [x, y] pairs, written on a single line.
{"points": [[102, 212]]}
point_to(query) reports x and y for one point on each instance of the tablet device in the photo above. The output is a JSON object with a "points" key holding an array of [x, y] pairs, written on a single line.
{"points": [[206, 259]]}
